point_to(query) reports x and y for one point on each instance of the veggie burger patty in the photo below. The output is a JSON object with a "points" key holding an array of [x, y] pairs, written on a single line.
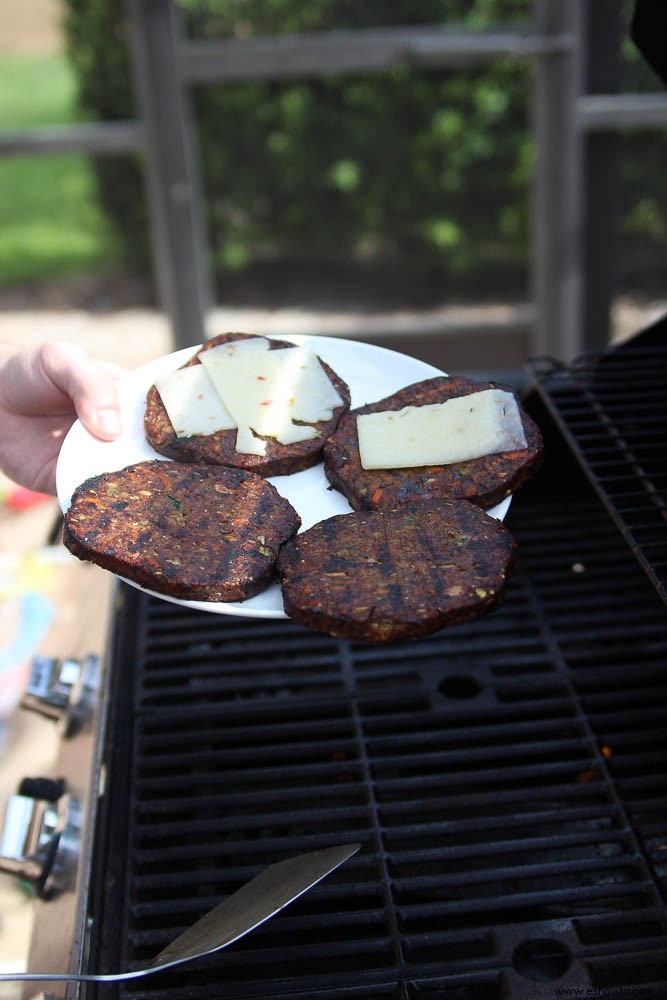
{"points": [[219, 448], [380, 576], [194, 532], [485, 481]]}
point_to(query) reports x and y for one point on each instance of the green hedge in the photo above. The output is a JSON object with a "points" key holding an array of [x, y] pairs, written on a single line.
{"points": [[423, 173]]}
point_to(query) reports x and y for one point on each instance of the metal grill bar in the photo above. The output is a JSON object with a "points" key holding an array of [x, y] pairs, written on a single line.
{"points": [[612, 409]]}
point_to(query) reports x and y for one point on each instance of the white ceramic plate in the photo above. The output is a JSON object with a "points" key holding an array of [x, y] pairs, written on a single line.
{"points": [[370, 372]]}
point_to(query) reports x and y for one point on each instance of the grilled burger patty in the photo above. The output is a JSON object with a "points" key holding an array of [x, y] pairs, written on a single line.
{"points": [[380, 576], [194, 532], [220, 448], [484, 481]]}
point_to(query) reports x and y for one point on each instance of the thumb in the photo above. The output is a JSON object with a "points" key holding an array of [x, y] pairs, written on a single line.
{"points": [[91, 386], [104, 422], [96, 402]]}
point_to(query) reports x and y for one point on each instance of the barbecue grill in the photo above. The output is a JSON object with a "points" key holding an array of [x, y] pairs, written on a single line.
{"points": [[506, 778]]}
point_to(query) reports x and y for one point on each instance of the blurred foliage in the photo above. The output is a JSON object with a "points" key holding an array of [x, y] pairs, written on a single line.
{"points": [[431, 171], [247, 18], [428, 172]]}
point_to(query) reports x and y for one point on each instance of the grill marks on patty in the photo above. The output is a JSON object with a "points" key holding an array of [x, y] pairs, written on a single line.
{"points": [[484, 481], [220, 448], [192, 532], [380, 576]]}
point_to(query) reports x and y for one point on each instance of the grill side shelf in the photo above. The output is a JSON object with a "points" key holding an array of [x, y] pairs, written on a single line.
{"points": [[611, 409]]}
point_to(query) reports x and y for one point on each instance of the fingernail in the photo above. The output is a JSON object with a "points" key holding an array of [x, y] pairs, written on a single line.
{"points": [[108, 421]]}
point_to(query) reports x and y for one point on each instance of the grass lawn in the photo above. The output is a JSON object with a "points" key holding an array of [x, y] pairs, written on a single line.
{"points": [[50, 222]]}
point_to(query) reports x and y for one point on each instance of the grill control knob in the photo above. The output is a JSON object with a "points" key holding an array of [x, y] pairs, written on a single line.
{"points": [[63, 690], [40, 836]]}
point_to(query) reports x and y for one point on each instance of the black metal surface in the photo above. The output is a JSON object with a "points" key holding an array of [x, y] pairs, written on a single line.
{"points": [[506, 779], [612, 407]]}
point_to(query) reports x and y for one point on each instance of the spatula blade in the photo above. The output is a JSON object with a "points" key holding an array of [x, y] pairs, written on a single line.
{"points": [[253, 904]]}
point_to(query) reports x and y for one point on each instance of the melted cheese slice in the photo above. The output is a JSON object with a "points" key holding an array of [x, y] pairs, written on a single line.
{"points": [[267, 391], [192, 403], [457, 430]]}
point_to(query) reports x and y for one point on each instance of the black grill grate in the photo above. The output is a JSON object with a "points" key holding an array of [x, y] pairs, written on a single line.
{"points": [[612, 407], [506, 779]]}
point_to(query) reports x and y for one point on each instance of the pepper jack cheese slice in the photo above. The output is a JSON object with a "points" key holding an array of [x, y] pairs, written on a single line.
{"points": [[267, 391], [243, 385], [457, 430], [192, 403]]}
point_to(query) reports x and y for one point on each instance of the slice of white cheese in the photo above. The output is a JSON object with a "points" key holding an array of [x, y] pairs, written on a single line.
{"points": [[247, 443], [192, 403], [266, 391], [457, 430]]}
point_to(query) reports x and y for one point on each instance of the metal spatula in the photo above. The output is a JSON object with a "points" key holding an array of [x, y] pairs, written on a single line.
{"points": [[253, 904]]}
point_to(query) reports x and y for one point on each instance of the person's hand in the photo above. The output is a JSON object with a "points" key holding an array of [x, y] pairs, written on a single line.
{"points": [[43, 389]]}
